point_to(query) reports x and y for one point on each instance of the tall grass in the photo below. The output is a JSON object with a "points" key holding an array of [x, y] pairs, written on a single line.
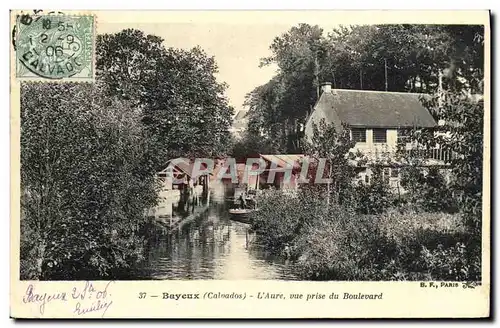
{"points": [[337, 243]]}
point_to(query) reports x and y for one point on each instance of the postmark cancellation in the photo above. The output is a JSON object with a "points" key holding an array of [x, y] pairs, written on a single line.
{"points": [[54, 46]]}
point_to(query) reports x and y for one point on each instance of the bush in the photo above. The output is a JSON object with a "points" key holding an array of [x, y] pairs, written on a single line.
{"points": [[452, 263], [336, 243], [282, 216], [86, 178], [420, 238], [393, 246], [375, 197], [428, 190], [345, 246]]}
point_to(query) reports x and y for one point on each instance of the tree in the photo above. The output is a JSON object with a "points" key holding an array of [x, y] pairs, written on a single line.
{"points": [[462, 114], [334, 147], [183, 104], [462, 135], [251, 145], [282, 104], [402, 58], [90, 153], [374, 197], [86, 180], [461, 132]]}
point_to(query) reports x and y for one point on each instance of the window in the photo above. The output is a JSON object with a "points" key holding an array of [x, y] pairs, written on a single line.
{"points": [[359, 135], [379, 135], [394, 172]]}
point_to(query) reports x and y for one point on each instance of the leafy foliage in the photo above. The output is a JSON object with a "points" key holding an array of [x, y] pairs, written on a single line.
{"points": [[463, 135], [357, 236], [89, 154], [403, 58], [184, 106], [427, 189], [374, 197], [453, 263], [281, 217], [335, 148], [340, 246], [86, 178], [336, 243], [251, 145]]}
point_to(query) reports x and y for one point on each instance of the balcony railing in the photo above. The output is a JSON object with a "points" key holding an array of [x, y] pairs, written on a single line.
{"points": [[390, 153], [437, 154]]}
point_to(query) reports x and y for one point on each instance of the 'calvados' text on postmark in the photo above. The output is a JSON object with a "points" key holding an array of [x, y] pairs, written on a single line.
{"points": [[51, 46]]}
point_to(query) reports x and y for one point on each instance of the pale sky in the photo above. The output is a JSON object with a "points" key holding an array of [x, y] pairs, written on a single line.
{"points": [[238, 39], [237, 49]]}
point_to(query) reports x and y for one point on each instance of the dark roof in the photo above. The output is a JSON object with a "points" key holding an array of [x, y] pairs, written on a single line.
{"points": [[184, 165], [372, 109]]}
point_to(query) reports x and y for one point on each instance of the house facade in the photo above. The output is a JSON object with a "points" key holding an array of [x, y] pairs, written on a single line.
{"points": [[378, 121], [279, 172], [240, 123], [180, 176]]}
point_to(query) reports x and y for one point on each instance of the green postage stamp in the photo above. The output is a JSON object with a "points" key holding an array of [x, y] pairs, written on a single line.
{"points": [[56, 47]]}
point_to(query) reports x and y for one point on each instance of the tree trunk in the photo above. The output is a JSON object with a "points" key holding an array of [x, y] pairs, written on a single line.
{"points": [[316, 75], [328, 194], [39, 260]]}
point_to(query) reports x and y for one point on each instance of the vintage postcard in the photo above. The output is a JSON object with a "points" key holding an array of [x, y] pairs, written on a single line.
{"points": [[250, 164]]}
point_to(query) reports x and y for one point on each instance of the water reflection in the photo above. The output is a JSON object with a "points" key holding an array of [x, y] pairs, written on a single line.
{"points": [[209, 245]]}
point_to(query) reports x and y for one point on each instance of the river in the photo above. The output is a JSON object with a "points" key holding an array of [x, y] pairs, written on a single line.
{"points": [[208, 245]]}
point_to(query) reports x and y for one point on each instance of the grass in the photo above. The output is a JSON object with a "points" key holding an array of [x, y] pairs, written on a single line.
{"points": [[340, 244]]}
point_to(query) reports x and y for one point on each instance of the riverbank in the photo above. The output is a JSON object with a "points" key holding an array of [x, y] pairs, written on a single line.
{"points": [[336, 243]]}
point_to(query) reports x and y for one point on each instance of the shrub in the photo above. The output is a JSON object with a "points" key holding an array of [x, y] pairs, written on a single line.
{"points": [[336, 243], [345, 246], [332, 241], [86, 179], [428, 190], [452, 263], [281, 218], [393, 246], [418, 237], [375, 197]]}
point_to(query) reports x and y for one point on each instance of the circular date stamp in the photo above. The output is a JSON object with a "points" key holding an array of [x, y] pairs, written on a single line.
{"points": [[55, 46]]}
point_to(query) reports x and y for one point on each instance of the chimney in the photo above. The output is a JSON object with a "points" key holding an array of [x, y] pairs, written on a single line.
{"points": [[326, 87]]}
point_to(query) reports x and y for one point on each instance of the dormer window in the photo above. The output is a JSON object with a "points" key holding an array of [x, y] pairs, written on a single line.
{"points": [[379, 135], [358, 135]]}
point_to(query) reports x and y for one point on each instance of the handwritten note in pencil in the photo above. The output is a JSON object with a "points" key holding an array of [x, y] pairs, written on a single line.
{"points": [[83, 299]]}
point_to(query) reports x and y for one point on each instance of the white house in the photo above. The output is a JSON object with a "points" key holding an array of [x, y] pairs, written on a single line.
{"points": [[377, 121], [240, 122]]}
